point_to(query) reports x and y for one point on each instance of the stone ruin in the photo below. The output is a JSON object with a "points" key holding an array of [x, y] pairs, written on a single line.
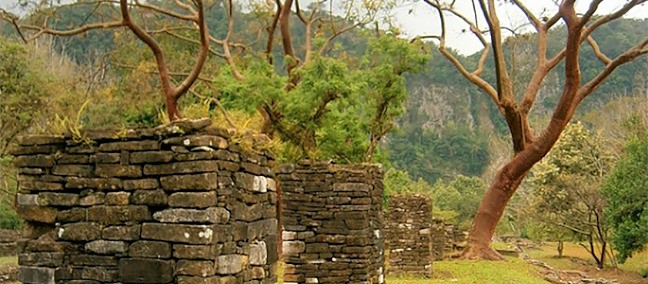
{"points": [[332, 219], [180, 203], [408, 235], [8, 240]]}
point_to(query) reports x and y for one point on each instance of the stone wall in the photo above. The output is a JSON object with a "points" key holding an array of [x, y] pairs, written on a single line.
{"points": [[439, 240], [175, 204], [8, 240], [447, 239], [408, 235], [332, 219]]}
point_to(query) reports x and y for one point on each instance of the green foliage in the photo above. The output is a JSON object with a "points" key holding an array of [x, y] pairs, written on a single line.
{"points": [[439, 155], [399, 182], [564, 188], [8, 217], [459, 198], [337, 102], [21, 90], [627, 199]]}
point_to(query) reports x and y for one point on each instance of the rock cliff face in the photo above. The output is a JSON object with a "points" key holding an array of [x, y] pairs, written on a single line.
{"points": [[175, 204], [436, 106]]}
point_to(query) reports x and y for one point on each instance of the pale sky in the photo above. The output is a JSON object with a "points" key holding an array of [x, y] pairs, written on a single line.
{"points": [[423, 19]]}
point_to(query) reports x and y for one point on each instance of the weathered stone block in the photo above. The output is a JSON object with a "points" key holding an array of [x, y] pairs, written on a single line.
{"points": [[72, 215], [206, 181], [293, 247], [93, 260], [106, 247], [40, 139], [117, 198], [230, 264], [47, 259], [107, 158], [58, 199], [27, 199], [191, 234], [121, 233], [35, 275], [262, 228], [242, 212], [118, 214], [93, 183], [151, 157], [193, 199], [202, 268], [351, 186], [37, 213], [102, 274], [30, 171], [73, 170], [111, 170], [84, 231], [37, 161], [93, 198], [135, 184], [150, 249], [181, 168], [30, 150], [143, 270], [215, 142], [258, 253], [199, 280], [33, 185], [212, 215], [129, 146], [196, 251], [149, 197]]}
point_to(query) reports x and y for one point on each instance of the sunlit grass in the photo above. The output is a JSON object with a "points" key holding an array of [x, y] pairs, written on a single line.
{"points": [[467, 272], [573, 253], [8, 260]]}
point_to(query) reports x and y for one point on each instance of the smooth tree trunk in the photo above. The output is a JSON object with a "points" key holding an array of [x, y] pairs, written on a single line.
{"points": [[488, 215]]}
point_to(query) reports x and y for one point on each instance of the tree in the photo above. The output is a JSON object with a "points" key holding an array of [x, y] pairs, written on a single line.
{"points": [[529, 147], [22, 92], [461, 196], [192, 13], [309, 94], [565, 190], [626, 189]]}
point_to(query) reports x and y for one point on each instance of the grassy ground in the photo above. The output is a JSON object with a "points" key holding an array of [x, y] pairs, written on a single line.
{"points": [[512, 271], [8, 260], [576, 258]]}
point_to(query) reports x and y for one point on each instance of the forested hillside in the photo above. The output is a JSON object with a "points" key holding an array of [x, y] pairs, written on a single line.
{"points": [[451, 127]]}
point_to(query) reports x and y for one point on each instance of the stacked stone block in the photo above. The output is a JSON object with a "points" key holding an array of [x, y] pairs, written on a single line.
{"points": [[175, 204], [332, 219], [439, 240], [8, 240], [408, 235]]}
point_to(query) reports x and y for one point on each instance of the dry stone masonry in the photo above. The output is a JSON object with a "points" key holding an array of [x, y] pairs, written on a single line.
{"points": [[408, 235], [179, 203], [332, 219], [8, 240]]}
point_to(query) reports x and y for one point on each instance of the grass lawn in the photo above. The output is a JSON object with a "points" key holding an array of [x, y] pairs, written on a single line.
{"points": [[512, 271], [576, 258], [8, 260]]}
